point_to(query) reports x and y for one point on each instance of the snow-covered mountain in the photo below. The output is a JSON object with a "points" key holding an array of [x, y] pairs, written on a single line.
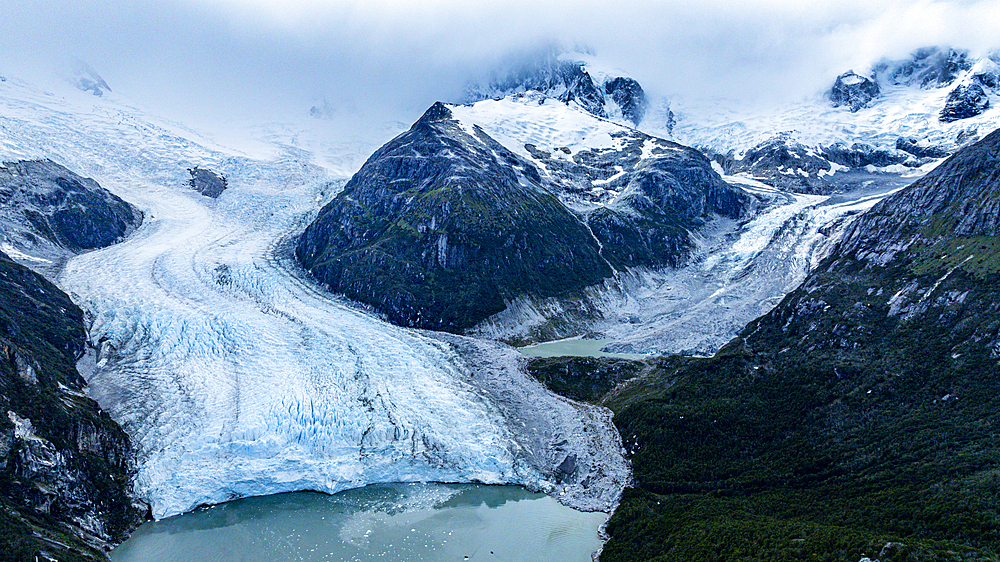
{"points": [[568, 77], [739, 263], [898, 117], [236, 374], [444, 224]]}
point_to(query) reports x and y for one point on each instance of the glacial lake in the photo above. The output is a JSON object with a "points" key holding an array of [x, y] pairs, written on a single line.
{"points": [[575, 347], [404, 522]]}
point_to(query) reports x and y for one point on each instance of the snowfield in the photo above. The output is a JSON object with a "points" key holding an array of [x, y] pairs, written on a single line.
{"points": [[547, 123], [235, 376], [900, 111]]}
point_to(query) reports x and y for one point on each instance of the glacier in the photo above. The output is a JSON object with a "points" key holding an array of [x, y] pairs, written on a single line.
{"points": [[738, 271], [901, 111], [235, 376]]}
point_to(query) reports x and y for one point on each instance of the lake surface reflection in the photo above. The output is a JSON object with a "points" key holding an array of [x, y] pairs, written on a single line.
{"points": [[575, 347], [427, 522]]}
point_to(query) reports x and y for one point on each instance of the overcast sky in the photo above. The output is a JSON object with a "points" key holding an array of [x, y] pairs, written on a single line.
{"points": [[268, 56]]}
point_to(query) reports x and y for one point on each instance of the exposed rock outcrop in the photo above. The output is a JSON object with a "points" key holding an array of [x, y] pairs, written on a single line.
{"points": [[861, 155], [854, 91], [49, 213], [784, 162], [966, 100], [642, 205], [629, 96], [580, 87], [929, 67], [440, 227], [207, 182], [65, 466], [912, 146]]}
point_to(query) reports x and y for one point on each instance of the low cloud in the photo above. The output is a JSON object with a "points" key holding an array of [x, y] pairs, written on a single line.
{"points": [[268, 57]]}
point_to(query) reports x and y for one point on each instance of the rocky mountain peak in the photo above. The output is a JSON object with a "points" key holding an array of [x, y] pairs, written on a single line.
{"points": [[435, 113], [442, 225], [580, 87], [965, 100], [629, 96], [853, 90], [567, 78], [928, 67]]}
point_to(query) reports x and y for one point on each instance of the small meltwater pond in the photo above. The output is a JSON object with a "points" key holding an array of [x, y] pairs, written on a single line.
{"points": [[575, 347], [427, 522]]}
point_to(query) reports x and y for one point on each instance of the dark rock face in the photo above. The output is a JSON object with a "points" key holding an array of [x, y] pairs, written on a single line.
{"points": [[859, 155], [66, 466], [41, 199], [439, 227], [853, 90], [566, 81], [930, 67], [966, 100], [629, 96], [670, 195], [911, 146], [647, 207], [580, 87], [867, 393], [988, 77], [207, 182], [783, 162]]}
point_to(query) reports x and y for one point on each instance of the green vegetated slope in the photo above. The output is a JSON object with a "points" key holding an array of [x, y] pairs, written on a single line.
{"points": [[64, 464], [861, 417], [439, 227], [443, 225]]}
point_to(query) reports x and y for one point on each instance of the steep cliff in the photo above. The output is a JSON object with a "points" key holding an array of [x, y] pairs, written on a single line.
{"points": [[48, 213], [439, 227], [857, 419], [65, 480], [64, 464]]}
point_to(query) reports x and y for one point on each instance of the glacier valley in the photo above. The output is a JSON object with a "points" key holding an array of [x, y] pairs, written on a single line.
{"points": [[236, 376]]}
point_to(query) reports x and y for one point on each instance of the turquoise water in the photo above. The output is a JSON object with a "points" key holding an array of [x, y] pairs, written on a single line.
{"points": [[574, 347], [426, 522]]}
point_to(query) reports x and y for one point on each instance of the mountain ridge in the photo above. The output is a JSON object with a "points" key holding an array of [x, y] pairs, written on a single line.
{"points": [[457, 196], [855, 419]]}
